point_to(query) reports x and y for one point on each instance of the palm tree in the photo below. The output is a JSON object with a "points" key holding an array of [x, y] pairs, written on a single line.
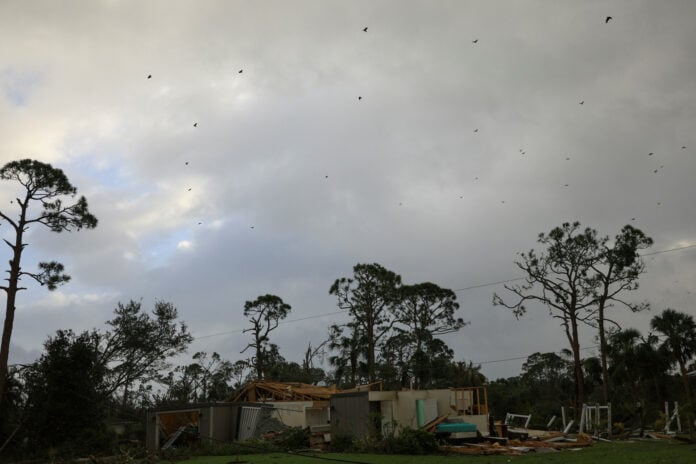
{"points": [[680, 342]]}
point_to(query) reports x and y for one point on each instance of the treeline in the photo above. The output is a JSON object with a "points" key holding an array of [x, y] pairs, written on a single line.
{"points": [[82, 382], [644, 373]]}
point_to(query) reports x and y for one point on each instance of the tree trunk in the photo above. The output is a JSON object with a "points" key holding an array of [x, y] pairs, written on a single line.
{"points": [[12, 289], [577, 368], [603, 353]]}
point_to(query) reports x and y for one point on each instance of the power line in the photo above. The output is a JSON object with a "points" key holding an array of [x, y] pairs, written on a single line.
{"points": [[463, 289], [517, 358]]}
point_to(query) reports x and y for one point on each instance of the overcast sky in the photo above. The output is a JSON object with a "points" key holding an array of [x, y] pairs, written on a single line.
{"points": [[471, 138]]}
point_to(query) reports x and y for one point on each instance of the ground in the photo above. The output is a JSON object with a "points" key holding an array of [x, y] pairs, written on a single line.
{"points": [[635, 452]]}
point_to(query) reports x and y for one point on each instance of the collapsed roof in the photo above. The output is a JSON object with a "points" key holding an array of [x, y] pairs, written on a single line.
{"points": [[264, 390]]}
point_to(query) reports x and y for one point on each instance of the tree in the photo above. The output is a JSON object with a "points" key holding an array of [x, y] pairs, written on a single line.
{"points": [[423, 312], [616, 272], [43, 184], [558, 279], [264, 313], [67, 396], [349, 366], [638, 372], [138, 345], [370, 297], [680, 342]]}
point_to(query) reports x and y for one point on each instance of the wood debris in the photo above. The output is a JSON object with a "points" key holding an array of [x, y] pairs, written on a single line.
{"points": [[518, 447]]}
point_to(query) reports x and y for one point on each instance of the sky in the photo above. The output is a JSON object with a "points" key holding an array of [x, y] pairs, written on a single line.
{"points": [[438, 143]]}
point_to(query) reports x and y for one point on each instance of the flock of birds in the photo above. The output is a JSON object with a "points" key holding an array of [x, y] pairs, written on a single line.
{"points": [[476, 131]]}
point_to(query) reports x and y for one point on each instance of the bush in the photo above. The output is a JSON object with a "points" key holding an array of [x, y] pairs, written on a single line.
{"points": [[411, 441], [293, 438], [342, 443]]}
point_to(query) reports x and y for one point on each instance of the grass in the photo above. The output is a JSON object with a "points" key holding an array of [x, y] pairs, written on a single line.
{"points": [[634, 452]]}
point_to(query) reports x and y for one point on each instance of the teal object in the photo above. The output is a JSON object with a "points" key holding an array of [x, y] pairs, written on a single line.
{"points": [[420, 413], [453, 427]]}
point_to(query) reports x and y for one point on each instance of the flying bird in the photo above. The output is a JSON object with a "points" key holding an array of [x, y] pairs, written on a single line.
{"points": [[609, 18], [565, 185], [200, 223], [655, 171], [189, 189], [365, 29], [650, 154], [252, 227], [633, 219], [568, 159], [474, 41], [360, 98], [475, 130], [326, 177], [186, 163], [582, 102], [683, 147], [195, 124], [149, 76], [240, 71]]}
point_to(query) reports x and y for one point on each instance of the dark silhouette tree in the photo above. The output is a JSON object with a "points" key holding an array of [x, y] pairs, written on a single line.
{"points": [[67, 397], [47, 187], [423, 312], [264, 313], [679, 330], [559, 279], [136, 348], [617, 272], [370, 297]]}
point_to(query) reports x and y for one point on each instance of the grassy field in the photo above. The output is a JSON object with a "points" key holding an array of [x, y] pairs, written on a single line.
{"points": [[638, 452]]}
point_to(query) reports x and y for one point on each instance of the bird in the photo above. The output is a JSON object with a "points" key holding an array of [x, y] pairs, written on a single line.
{"points": [[189, 189], [474, 41], [365, 29], [609, 18], [683, 147], [565, 185], [461, 196], [633, 219], [149, 76], [400, 203], [326, 177], [655, 171], [252, 227], [475, 178], [502, 201], [200, 223], [659, 203], [240, 71], [567, 158], [582, 102], [650, 154], [359, 97], [186, 163], [195, 124], [475, 130]]}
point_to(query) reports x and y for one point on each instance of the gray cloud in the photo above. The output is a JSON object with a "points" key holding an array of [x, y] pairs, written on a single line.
{"points": [[410, 184]]}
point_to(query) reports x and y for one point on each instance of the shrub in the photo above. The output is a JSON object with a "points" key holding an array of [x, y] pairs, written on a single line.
{"points": [[293, 438], [411, 441], [341, 443]]}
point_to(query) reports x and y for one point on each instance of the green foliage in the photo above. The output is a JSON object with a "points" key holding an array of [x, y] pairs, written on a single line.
{"points": [[137, 346], [67, 397], [342, 442], [292, 438], [411, 441]]}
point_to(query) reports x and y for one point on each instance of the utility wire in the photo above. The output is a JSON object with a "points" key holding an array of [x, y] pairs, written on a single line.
{"points": [[463, 289]]}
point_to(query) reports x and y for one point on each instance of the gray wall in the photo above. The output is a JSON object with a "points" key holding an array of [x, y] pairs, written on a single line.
{"points": [[350, 415]]}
